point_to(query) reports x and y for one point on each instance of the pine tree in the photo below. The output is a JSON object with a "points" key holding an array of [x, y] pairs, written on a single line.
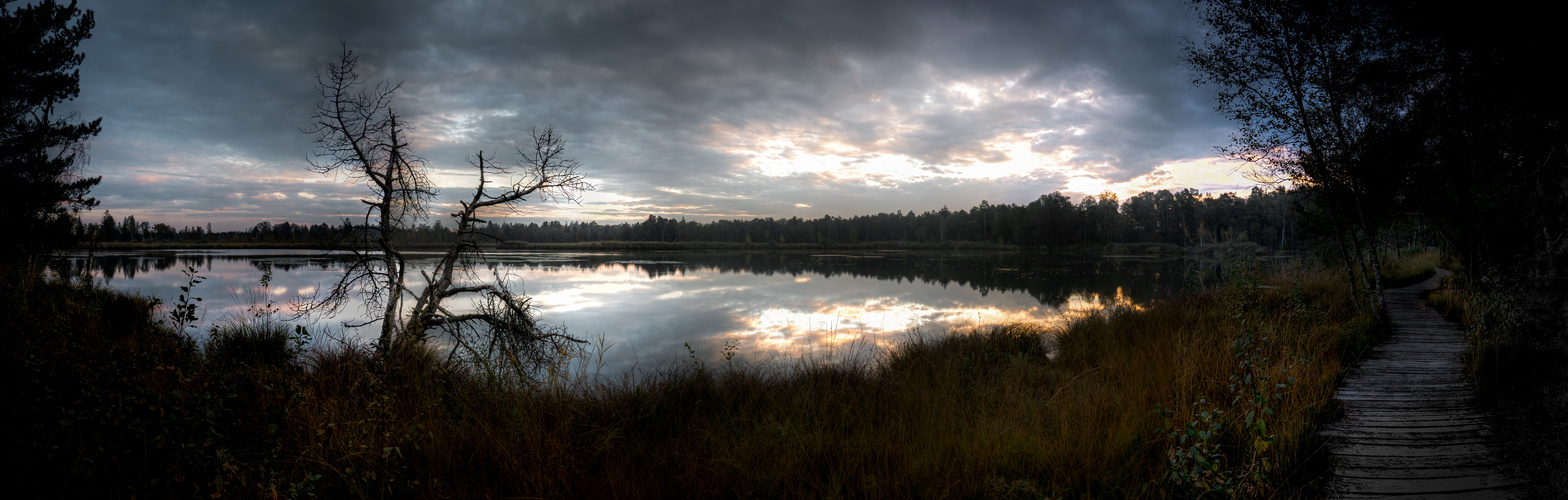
{"points": [[41, 149]]}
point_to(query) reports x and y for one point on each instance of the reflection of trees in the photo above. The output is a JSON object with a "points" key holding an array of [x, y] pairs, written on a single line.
{"points": [[110, 266], [290, 265], [1051, 280], [129, 265]]}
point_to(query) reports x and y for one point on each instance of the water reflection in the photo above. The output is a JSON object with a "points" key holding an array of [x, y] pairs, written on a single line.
{"points": [[651, 305]]}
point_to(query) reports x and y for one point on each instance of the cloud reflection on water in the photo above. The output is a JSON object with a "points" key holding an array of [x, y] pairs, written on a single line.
{"points": [[778, 306]]}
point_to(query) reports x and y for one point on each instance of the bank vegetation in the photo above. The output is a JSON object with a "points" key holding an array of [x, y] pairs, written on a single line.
{"points": [[1217, 391]]}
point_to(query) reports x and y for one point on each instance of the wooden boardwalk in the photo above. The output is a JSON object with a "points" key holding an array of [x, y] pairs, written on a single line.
{"points": [[1411, 427]]}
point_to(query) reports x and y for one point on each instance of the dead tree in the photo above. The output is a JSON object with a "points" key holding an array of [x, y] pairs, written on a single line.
{"points": [[360, 138], [504, 317]]}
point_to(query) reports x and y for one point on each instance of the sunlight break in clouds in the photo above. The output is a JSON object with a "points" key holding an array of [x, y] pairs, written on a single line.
{"points": [[912, 143], [902, 105], [1208, 175], [991, 130]]}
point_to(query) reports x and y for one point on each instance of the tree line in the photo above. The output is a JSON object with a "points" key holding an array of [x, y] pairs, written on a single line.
{"points": [[1268, 218], [128, 229], [1185, 217]]}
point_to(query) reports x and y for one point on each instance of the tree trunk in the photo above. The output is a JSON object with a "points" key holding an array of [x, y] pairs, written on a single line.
{"points": [[1370, 227]]}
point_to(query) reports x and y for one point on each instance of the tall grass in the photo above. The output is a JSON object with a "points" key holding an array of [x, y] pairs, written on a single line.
{"points": [[1517, 359], [1491, 318], [724, 245], [1096, 409], [1409, 267]]}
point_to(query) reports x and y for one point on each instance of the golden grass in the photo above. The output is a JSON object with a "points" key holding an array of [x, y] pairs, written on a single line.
{"points": [[998, 411], [1004, 409], [724, 245], [1410, 268]]}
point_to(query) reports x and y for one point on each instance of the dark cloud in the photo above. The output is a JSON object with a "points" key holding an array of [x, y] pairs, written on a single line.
{"points": [[656, 98]]}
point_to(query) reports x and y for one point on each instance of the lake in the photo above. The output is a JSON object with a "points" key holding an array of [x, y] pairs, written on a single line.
{"points": [[648, 306]]}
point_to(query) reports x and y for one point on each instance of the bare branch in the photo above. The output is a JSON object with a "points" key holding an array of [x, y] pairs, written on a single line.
{"points": [[360, 137]]}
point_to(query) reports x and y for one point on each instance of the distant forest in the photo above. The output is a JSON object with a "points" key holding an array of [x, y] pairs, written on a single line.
{"points": [[1269, 218]]}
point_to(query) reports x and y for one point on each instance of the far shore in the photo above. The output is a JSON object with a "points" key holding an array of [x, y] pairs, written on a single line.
{"points": [[1110, 249]]}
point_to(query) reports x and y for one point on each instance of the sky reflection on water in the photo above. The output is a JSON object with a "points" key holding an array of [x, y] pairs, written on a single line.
{"points": [[649, 306]]}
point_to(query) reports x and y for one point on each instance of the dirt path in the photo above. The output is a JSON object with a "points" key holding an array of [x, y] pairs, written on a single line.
{"points": [[1411, 427]]}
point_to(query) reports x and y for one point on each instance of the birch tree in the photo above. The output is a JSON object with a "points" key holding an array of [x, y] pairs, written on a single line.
{"points": [[1314, 87]]}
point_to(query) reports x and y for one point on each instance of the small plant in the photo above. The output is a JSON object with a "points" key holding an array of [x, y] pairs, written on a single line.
{"points": [[256, 309], [1196, 461], [696, 363], [299, 340], [183, 315], [1259, 395], [731, 347]]}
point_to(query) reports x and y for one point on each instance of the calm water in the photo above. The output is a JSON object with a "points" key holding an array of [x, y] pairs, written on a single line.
{"points": [[778, 305]]}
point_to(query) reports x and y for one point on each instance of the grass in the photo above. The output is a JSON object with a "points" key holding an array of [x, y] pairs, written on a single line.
{"points": [[1409, 267], [1486, 316], [1519, 365], [720, 245], [234, 245], [1110, 406]]}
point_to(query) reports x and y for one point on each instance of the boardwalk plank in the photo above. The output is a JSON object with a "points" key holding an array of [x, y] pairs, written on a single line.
{"points": [[1410, 426], [1471, 495], [1413, 473], [1464, 484]]}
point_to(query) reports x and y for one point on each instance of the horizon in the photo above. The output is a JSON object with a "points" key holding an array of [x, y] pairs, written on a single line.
{"points": [[435, 219]]}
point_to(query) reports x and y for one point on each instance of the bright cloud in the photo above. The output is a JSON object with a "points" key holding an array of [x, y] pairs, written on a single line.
{"points": [[710, 112]]}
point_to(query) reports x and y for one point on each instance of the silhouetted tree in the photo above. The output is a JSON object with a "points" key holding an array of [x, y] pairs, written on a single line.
{"points": [[108, 229], [41, 149], [1312, 86], [360, 137], [503, 317]]}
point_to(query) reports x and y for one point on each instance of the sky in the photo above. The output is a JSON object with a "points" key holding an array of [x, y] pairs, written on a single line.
{"points": [[701, 110]]}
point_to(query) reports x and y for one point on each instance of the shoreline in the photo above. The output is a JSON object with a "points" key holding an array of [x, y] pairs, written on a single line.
{"points": [[1086, 407], [1136, 249]]}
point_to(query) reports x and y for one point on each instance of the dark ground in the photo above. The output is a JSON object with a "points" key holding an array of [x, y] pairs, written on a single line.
{"points": [[1527, 395]]}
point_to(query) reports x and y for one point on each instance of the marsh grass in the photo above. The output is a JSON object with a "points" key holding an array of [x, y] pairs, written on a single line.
{"points": [[1491, 319], [721, 245], [1089, 410], [1519, 365], [1409, 267]]}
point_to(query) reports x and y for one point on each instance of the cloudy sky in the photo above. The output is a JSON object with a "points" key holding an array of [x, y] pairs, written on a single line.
{"points": [[696, 109]]}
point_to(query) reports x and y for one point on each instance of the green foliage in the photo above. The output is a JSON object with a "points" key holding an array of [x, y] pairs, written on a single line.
{"points": [[1196, 462], [1200, 462], [1408, 266]]}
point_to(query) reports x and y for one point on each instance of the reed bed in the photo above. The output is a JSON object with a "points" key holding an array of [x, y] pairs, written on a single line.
{"points": [[1127, 402]]}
